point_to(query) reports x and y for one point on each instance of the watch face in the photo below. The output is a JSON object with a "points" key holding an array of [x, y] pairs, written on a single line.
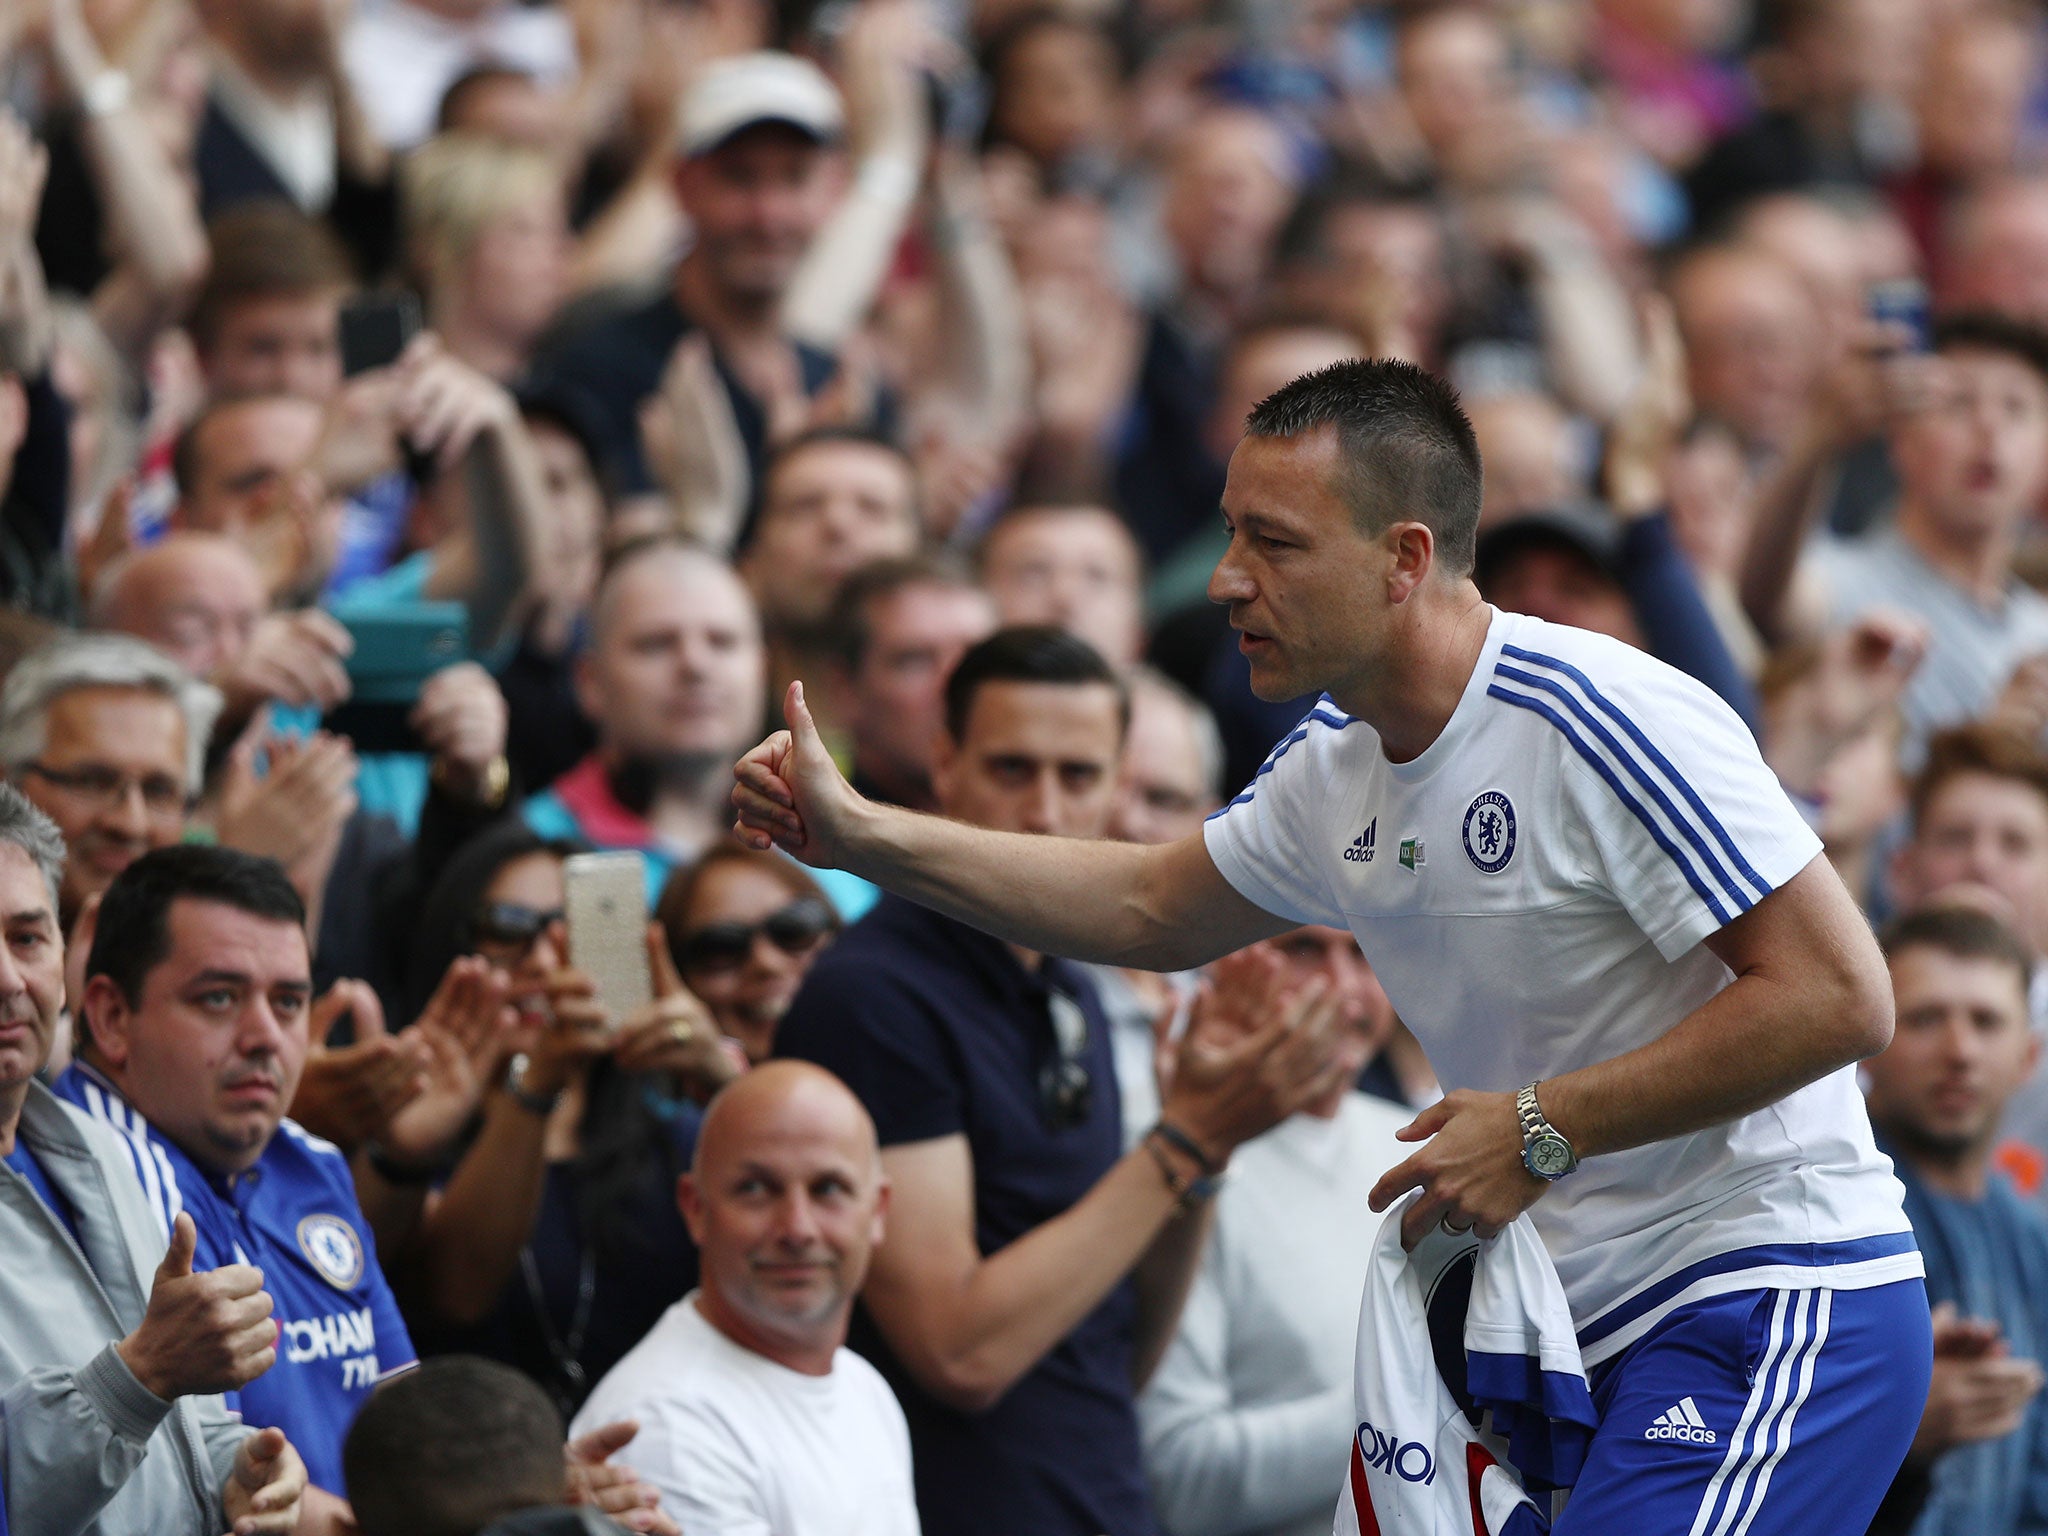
{"points": [[1550, 1157]]}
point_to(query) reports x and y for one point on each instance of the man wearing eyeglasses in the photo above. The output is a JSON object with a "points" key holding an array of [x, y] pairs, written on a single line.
{"points": [[1035, 1267], [106, 737]]}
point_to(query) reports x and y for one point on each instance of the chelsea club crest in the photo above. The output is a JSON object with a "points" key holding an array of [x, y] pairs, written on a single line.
{"points": [[333, 1248], [1490, 832]]}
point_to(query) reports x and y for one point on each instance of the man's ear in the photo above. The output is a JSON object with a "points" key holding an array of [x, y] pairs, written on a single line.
{"points": [[1413, 548], [878, 1226], [690, 1201], [109, 1021], [945, 763], [13, 424], [583, 682]]}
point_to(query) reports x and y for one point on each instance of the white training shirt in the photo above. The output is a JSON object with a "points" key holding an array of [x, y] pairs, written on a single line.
{"points": [[1532, 892], [741, 1446]]}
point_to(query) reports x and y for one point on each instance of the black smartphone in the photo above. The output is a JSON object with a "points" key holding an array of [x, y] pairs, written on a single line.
{"points": [[374, 330]]}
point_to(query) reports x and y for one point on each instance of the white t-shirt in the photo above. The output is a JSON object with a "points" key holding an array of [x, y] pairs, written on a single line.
{"points": [[401, 58], [741, 1446], [1532, 892]]}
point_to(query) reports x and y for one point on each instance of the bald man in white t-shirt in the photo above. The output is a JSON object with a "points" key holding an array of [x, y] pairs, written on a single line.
{"points": [[1642, 985], [755, 1420]]}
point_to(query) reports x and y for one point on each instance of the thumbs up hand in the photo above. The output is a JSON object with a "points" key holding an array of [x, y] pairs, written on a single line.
{"points": [[205, 1332], [790, 794]]}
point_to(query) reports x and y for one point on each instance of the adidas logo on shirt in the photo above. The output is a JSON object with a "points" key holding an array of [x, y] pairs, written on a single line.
{"points": [[1681, 1421], [1361, 849]]}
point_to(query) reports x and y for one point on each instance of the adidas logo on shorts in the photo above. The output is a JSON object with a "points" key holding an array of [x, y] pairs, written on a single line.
{"points": [[1681, 1421]]}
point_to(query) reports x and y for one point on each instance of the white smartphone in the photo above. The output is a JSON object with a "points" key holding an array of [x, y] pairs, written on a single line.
{"points": [[604, 896]]}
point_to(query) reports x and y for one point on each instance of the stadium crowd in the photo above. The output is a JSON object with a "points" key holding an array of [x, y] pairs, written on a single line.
{"points": [[433, 435]]}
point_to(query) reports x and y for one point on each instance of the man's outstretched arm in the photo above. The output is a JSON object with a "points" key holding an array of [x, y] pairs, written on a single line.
{"points": [[1160, 908]]}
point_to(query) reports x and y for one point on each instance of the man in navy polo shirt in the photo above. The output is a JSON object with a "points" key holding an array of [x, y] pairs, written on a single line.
{"points": [[1003, 1309], [196, 1000]]}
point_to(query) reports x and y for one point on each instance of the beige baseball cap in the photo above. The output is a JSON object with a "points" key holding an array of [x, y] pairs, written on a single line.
{"points": [[737, 93]]}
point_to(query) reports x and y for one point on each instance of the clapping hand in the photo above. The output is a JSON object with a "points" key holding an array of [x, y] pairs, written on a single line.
{"points": [[349, 1094], [462, 1035], [611, 1487], [262, 1493]]}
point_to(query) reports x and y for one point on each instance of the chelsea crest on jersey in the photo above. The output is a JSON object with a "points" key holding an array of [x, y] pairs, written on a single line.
{"points": [[1586, 818]]}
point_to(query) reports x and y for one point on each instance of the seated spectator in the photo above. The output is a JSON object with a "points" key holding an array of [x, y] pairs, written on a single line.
{"points": [[1937, 1093], [1249, 1420], [1972, 461], [487, 234], [195, 1030], [554, 1242], [673, 679], [446, 1451], [468, 1447], [107, 738], [1076, 568], [1980, 819], [753, 1414], [903, 626], [1751, 342], [282, 121], [84, 1404], [1170, 780], [244, 470], [1004, 1312], [752, 173], [744, 927], [832, 501]]}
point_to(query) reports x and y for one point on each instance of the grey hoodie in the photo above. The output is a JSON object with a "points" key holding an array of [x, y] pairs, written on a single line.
{"points": [[85, 1448]]}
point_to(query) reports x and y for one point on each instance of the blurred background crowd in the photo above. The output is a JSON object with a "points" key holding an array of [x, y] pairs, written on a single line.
{"points": [[433, 433]]}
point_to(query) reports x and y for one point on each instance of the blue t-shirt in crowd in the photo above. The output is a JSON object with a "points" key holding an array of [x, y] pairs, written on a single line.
{"points": [[1989, 1258], [30, 1167], [294, 1216], [941, 1032]]}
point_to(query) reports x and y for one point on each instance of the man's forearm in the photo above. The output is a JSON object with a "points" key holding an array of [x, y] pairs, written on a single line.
{"points": [[1753, 1043], [1165, 1275], [1107, 902], [971, 1346]]}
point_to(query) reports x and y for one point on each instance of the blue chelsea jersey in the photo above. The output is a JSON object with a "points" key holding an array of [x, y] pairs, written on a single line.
{"points": [[294, 1216]]}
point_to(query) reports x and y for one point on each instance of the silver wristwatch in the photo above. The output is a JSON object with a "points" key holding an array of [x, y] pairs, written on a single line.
{"points": [[1544, 1153]]}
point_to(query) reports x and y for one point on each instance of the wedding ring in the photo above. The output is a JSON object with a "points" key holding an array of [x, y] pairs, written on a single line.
{"points": [[680, 1031]]}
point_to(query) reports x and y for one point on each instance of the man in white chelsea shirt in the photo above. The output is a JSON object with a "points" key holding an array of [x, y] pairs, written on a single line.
{"points": [[1643, 986], [754, 1419]]}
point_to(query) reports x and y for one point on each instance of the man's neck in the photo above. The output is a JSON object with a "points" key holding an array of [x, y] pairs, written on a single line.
{"points": [[470, 341], [681, 799], [1980, 564], [283, 83], [12, 1097], [807, 1357], [732, 320], [1961, 1174], [1409, 695]]}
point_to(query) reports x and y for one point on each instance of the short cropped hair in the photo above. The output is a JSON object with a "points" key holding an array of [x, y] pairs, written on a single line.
{"points": [[1980, 748], [1982, 330], [1967, 933], [1407, 449], [1029, 653], [448, 1448], [265, 250], [852, 625], [454, 185], [73, 661], [24, 825], [134, 934]]}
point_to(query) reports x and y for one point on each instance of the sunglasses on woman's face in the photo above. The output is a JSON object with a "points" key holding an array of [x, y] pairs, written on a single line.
{"points": [[725, 946], [510, 925]]}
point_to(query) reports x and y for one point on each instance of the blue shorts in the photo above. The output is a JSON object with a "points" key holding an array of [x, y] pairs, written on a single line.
{"points": [[1762, 1413]]}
